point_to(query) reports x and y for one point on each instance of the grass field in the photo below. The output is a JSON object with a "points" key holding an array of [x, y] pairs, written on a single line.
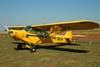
{"points": [[82, 55]]}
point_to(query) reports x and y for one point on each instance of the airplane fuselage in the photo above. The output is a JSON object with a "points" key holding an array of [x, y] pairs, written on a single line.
{"points": [[33, 38]]}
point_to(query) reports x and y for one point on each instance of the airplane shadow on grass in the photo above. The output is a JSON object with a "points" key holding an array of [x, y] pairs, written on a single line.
{"points": [[63, 49], [54, 47]]}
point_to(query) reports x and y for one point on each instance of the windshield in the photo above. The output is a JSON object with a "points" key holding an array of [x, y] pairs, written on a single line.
{"points": [[27, 28]]}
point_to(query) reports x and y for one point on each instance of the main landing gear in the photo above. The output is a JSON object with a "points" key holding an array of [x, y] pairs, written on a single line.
{"points": [[30, 46]]}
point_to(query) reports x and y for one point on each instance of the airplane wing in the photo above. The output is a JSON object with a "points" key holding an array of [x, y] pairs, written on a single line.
{"points": [[71, 25], [16, 27]]}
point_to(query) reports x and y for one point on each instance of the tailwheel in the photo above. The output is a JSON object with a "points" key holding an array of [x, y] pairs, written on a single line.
{"points": [[69, 42], [33, 48]]}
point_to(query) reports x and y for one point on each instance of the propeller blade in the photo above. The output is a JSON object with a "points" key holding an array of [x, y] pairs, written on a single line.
{"points": [[7, 29]]}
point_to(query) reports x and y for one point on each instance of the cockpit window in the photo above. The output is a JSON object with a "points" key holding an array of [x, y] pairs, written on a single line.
{"points": [[36, 31]]}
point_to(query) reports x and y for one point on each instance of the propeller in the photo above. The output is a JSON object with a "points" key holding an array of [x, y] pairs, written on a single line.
{"points": [[7, 29]]}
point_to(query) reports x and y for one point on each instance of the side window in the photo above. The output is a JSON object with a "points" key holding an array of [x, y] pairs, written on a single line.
{"points": [[42, 33], [36, 31], [33, 31]]}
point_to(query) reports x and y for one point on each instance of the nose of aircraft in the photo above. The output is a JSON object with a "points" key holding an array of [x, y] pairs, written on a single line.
{"points": [[13, 34], [16, 34], [10, 32]]}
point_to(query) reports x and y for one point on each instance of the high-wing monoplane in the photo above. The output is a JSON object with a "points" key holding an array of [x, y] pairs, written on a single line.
{"points": [[60, 32]]}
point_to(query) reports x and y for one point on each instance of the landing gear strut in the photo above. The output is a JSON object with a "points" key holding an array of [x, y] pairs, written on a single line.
{"points": [[30, 46]]}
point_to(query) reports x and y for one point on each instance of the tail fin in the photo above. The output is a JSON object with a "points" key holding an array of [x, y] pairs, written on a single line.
{"points": [[68, 35]]}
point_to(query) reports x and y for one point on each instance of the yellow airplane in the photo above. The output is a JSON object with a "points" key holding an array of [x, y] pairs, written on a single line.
{"points": [[60, 32]]}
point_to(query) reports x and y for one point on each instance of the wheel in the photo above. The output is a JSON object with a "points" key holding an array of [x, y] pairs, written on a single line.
{"points": [[33, 48], [69, 42], [19, 46]]}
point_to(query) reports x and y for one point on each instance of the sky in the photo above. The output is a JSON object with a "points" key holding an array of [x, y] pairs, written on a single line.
{"points": [[31, 12]]}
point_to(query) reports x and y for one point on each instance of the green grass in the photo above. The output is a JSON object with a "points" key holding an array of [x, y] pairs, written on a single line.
{"points": [[83, 55]]}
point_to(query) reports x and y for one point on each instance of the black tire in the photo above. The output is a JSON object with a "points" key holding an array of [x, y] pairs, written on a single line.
{"points": [[19, 46], [33, 48], [69, 42]]}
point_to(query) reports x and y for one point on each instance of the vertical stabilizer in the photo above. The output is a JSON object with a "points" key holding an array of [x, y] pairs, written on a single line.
{"points": [[68, 35]]}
